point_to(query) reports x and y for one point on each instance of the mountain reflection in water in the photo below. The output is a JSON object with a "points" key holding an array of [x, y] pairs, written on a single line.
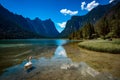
{"points": [[42, 63]]}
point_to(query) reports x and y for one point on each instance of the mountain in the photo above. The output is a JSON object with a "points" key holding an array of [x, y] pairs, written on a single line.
{"points": [[9, 29], [114, 12], [45, 28], [76, 22], [109, 25], [16, 26], [18, 19]]}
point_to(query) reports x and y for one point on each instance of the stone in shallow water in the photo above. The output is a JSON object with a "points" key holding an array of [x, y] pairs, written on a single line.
{"points": [[86, 71], [83, 68]]}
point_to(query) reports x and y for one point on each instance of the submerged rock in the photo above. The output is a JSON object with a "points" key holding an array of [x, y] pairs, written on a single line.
{"points": [[86, 72], [82, 67]]}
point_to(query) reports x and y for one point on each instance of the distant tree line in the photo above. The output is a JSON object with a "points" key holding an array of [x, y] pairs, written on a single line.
{"points": [[104, 28]]}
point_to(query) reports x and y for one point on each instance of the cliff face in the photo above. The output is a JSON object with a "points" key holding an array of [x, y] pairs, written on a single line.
{"points": [[45, 28], [76, 22]]}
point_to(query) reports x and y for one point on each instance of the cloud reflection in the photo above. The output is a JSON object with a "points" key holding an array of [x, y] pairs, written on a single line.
{"points": [[60, 52]]}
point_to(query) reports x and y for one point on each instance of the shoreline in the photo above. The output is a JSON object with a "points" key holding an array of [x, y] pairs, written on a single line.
{"points": [[100, 61]]}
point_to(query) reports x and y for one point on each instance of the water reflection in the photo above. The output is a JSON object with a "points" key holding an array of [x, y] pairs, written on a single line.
{"points": [[57, 66], [58, 58], [30, 69], [60, 52]]}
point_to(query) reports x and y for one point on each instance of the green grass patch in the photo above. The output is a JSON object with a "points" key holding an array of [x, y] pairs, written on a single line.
{"points": [[102, 45]]}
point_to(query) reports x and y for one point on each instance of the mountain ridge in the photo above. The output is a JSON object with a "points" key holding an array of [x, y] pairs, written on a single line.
{"points": [[107, 27], [76, 22], [35, 26]]}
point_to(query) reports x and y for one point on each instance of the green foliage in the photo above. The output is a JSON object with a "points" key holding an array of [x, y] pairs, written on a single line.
{"points": [[101, 27], [86, 32], [114, 28], [107, 27]]}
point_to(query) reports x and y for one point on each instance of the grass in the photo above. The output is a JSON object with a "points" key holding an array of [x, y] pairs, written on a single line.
{"points": [[102, 45], [100, 61]]}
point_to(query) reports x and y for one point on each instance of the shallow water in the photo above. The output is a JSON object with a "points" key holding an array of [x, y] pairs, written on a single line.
{"points": [[14, 54], [49, 62]]}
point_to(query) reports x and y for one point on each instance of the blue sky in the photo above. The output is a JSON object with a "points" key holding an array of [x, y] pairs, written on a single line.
{"points": [[58, 10]]}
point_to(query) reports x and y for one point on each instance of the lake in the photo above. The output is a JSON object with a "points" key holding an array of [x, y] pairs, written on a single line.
{"points": [[14, 54], [50, 61]]}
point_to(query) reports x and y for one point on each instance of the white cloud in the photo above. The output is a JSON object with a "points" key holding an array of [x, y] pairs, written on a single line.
{"points": [[89, 6], [62, 25], [83, 5], [111, 1], [69, 12]]}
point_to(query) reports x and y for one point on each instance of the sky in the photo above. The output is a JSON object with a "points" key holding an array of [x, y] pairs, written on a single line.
{"points": [[59, 11]]}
